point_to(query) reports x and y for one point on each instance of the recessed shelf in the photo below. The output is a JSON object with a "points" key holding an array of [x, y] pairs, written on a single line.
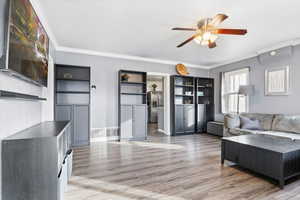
{"points": [[15, 95]]}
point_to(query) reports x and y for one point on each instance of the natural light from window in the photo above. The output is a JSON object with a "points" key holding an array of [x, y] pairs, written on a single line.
{"points": [[231, 81]]}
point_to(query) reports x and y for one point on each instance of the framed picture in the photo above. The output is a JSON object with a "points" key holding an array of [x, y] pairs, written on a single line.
{"points": [[277, 81]]}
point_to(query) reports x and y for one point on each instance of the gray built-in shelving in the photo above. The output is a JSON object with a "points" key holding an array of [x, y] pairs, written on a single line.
{"points": [[182, 105], [192, 104], [205, 103], [72, 101], [132, 105]]}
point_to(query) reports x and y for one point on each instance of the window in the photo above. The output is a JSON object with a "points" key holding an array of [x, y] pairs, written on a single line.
{"points": [[231, 82]]}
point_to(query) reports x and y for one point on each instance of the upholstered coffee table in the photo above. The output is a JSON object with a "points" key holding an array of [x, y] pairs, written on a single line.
{"points": [[275, 157]]}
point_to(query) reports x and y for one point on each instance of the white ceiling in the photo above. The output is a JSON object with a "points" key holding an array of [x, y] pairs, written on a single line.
{"points": [[143, 28]]}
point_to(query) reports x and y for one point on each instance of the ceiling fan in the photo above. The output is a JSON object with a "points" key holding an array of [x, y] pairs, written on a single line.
{"points": [[207, 31]]}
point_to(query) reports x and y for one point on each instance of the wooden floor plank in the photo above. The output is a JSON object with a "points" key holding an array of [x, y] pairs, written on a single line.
{"points": [[166, 168]]}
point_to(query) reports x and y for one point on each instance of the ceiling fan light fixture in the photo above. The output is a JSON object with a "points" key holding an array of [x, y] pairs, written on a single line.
{"points": [[206, 36], [198, 39], [205, 42], [213, 37]]}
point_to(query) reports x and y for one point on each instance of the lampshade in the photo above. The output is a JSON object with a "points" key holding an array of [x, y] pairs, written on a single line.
{"points": [[246, 90]]}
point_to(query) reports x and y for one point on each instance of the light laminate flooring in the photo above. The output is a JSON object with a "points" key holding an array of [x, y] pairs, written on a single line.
{"points": [[167, 168]]}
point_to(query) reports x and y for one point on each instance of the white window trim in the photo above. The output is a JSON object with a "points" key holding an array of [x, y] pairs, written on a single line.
{"points": [[225, 103]]}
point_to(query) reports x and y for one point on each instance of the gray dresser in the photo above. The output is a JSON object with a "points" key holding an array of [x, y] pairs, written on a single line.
{"points": [[37, 162]]}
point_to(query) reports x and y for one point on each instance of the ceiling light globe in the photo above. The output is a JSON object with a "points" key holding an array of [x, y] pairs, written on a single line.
{"points": [[206, 36]]}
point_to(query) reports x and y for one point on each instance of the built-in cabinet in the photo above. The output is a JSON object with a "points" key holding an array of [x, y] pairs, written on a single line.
{"points": [[132, 105], [134, 122], [191, 104], [78, 115], [72, 101], [184, 119], [37, 162]]}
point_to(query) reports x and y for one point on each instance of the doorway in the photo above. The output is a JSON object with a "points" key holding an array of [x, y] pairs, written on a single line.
{"points": [[157, 102]]}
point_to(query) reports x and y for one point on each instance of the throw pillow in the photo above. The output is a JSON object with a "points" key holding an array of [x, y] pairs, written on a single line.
{"points": [[247, 123]]}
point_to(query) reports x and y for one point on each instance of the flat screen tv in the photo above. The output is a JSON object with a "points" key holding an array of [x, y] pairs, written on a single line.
{"points": [[27, 43]]}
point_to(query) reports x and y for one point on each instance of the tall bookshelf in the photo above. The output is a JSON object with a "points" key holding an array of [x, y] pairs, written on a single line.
{"points": [[72, 101], [182, 105], [132, 105]]}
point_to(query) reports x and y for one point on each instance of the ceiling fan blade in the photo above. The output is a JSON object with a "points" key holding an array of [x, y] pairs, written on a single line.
{"points": [[188, 40], [219, 18], [230, 31], [184, 29], [212, 44]]}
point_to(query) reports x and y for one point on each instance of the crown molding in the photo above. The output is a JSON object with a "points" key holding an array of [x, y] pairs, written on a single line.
{"points": [[43, 19], [126, 57]]}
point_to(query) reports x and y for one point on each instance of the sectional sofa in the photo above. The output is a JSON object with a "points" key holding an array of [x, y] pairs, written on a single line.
{"points": [[280, 125]]}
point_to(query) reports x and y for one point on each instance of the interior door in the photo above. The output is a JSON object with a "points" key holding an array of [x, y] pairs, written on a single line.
{"points": [[81, 125]]}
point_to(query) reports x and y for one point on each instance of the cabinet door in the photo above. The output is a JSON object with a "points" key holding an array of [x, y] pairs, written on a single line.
{"points": [[201, 118], [179, 119], [126, 122], [139, 122], [81, 125], [65, 113], [189, 118]]}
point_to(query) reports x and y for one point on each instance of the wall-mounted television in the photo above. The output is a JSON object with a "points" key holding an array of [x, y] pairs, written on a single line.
{"points": [[27, 43]]}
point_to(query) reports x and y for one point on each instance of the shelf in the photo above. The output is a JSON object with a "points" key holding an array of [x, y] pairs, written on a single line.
{"points": [[200, 86], [133, 83], [73, 92], [184, 95], [60, 79], [125, 93], [191, 86], [15, 95]]}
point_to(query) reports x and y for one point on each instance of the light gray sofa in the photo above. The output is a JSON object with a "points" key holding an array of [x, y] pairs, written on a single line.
{"points": [[287, 126]]}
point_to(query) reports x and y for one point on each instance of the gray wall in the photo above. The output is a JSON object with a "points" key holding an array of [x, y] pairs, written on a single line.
{"points": [[259, 102], [105, 76], [16, 115]]}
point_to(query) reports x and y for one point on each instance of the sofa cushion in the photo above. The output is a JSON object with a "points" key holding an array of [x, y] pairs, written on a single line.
{"points": [[231, 121], [265, 120], [286, 123], [247, 123], [292, 136]]}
